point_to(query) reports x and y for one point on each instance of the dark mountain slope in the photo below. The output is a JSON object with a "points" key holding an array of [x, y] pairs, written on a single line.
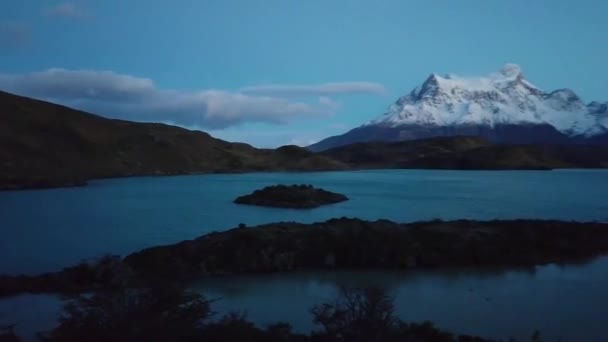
{"points": [[44, 144], [508, 133], [468, 153]]}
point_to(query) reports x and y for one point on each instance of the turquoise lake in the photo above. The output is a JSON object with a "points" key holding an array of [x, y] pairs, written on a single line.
{"points": [[45, 230]]}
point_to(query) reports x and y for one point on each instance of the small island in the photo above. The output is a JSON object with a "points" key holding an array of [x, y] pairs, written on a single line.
{"points": [[291, 196]]}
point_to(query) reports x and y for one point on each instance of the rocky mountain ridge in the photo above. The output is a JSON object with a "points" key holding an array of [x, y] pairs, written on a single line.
{"points": [[503, 107]]}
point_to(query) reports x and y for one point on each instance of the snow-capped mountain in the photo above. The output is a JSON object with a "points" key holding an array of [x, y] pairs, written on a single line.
{"points": [[502, 106]]}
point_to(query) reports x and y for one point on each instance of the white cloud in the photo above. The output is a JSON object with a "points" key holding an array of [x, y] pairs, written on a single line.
{"points": [[135, 98], [66, 10], [303, 142], [65, 84], [329, 103], [264, 136], [325, 89]]}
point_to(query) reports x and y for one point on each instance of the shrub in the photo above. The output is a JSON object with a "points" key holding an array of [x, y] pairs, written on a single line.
{"points": [[357, 315], [153, 314], [7, 334]]}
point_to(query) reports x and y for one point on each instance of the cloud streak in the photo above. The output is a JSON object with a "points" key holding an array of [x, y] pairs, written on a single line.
{"points": [[135, 98], [66, 10], [326, 89]]}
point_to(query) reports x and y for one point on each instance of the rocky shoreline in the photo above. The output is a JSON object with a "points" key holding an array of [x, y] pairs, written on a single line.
{"points": [[334, 244]]}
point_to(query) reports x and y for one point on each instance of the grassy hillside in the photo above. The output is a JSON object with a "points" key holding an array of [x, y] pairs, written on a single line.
{"points": [[468, 153], [43, 144]]}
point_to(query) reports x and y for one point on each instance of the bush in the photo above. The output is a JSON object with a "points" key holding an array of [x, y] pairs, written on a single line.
{"points": [[7, 334], [154, 314], [357, 315], [368, 315], [167, 313]]}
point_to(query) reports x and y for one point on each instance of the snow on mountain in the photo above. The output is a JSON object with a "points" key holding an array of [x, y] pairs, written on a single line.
{"points": [[501, 98], [600, 111]]}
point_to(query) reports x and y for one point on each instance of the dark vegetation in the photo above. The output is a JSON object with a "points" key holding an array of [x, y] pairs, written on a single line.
{"points": [[7, 334], [511, 134], [334, 244], [291, 196], [47, 145], [465, 153], [168, 313], [352, 243]]}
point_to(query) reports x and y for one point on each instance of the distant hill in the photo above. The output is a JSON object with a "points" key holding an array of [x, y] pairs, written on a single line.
{"points": [[468, 153], [46, 145]]}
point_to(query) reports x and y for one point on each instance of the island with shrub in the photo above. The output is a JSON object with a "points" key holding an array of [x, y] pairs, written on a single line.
{"points": [[334, 244], [291, 196]]}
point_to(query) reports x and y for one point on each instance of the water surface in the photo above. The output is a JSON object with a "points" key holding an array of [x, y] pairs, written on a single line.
{"points": [[566, 303], [47, 229], [44, 230]]}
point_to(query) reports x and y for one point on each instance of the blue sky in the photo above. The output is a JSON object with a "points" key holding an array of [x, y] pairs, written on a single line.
{"points": [[286, 71]]}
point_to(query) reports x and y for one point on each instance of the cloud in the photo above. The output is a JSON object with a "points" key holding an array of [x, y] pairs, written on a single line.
{"points": [[66, 10], [266, 137], [14, 34], [326, 101], [303, 142], [139, 99], [325, 89], [263, 136]]}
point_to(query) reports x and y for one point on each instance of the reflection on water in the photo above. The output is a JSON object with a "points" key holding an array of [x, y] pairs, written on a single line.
{"points": [[30, 313], [565, 302]]}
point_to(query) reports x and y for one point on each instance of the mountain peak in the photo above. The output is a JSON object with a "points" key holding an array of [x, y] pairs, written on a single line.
{"points": [[511, 70], [499, 98], [430, 85], [509, 76]]}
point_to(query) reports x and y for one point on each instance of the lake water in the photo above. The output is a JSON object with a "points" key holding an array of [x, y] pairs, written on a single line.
{"points": [[564, 303], [48, 229], [44, 230]]}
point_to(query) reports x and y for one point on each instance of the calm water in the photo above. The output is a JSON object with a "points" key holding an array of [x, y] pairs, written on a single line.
{"points": [[565, 303], [48, 229]]}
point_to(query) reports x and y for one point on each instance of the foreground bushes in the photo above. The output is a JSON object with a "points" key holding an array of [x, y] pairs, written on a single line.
{"points": [[7, 334], [170, 314]]}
